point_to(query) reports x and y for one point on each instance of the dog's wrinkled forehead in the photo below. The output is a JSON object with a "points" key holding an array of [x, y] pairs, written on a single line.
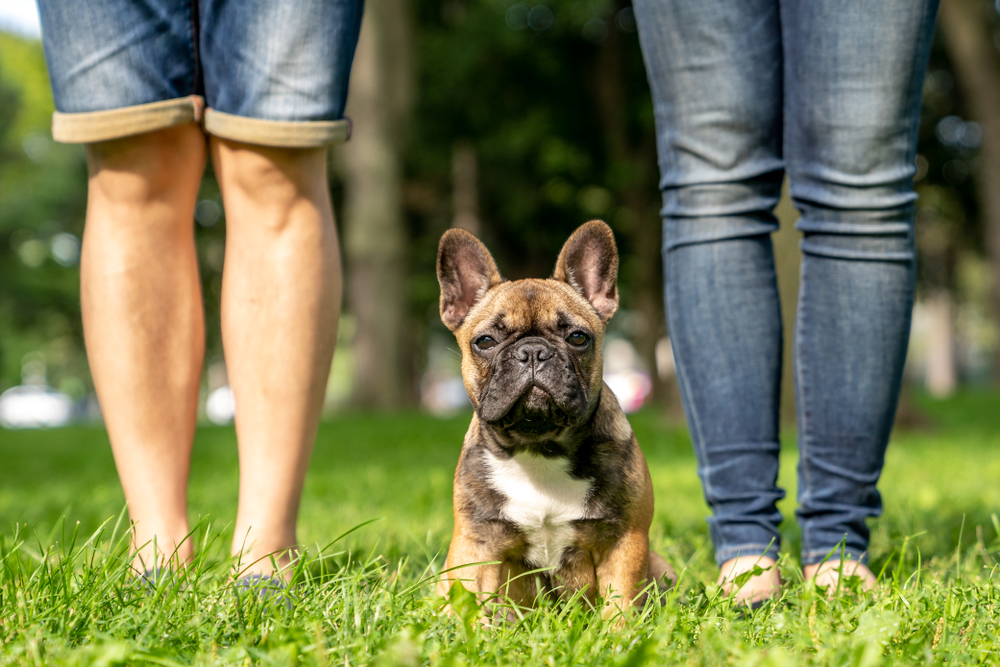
{"points": [[532, 305]]}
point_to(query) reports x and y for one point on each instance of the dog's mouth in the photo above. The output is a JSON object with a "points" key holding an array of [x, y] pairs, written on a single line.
{"points": [[534, 413], [536, 399]]}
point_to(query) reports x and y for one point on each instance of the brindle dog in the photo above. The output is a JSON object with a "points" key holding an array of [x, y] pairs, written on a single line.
{"points": [[550, 476]]}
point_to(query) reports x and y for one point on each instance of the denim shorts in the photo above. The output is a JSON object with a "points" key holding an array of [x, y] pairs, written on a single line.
{"points": [[266, 72]]}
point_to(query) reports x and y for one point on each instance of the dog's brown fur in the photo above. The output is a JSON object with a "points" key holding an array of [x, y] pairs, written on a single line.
{"points": [[562, 411]]}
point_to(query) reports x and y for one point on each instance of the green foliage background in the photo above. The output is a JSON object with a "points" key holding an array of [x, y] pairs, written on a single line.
{"points": [[40, 196], [561, 122]]}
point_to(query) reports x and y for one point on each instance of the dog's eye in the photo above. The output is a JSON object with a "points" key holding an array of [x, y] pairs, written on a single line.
{"points": [[485, 342], [578, 338]]}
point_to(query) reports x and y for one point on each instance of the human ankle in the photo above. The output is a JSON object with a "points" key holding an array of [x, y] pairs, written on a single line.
{"points": [[264, 556], [156, 554]]}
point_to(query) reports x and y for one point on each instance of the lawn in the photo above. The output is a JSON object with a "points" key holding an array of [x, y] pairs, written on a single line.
{"points": [[66, 596]]}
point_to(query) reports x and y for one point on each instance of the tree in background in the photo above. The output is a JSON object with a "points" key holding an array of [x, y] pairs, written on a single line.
{"points": [[970, 30], [632, 173], [551, 102], [522, 118], [43, 194], [955, 326], [42, 200], [375, 235]]}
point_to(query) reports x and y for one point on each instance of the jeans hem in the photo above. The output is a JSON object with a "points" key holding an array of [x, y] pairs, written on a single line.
{"points": [[815, 556], [93, 126], [277, 133], [765, 550]]}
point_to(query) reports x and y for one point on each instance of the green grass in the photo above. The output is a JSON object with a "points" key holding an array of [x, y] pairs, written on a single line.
{"points": [[66, 595]]}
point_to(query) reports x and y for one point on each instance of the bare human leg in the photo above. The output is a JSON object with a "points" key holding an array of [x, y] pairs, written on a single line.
{"points": [[280, 307], [143, 323]]}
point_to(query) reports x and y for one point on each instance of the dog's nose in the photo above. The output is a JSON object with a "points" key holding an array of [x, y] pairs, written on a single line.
{"points": [[530, 352]]}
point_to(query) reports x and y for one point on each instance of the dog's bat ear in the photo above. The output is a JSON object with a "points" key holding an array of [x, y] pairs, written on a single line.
{"points": [[589, 263], [466, 271]]}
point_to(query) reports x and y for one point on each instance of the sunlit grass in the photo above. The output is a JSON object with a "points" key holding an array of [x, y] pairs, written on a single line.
{"points": [[67, 594]]}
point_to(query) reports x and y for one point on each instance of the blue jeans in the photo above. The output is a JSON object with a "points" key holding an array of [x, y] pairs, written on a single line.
{"points": [[271, 72], [827, 92]]}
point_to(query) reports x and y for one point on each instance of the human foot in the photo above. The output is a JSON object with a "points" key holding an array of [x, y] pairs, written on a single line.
{"points": [[829, 573], [157, 555], [758, 587], [265, 587], [265, 559]]}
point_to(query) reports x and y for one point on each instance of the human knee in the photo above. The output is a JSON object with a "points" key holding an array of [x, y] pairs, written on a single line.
{"points": [[270, 177], [146, 168], [719, 211], [852, 215], [878, 234], [877, 247], [863, 180]]}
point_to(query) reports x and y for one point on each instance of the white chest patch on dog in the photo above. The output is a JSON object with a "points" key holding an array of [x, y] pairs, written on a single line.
{"points": [[543, 500]]}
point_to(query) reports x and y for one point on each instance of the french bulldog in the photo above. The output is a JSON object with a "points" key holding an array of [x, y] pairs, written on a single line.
{"points": [[551, 489]]}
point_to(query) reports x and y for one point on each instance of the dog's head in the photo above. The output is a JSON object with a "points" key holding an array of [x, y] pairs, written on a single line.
{"points": [[531, 349]]}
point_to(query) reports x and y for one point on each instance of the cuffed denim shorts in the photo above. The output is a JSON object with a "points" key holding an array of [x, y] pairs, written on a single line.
{"points": [[265, 72]]}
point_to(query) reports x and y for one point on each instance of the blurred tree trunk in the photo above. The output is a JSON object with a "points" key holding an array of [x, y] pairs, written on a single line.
{"points": [[465, 188], [937, 238], [968, 27], [634, 176], [787, 266], [941, 378], [375, 238]]}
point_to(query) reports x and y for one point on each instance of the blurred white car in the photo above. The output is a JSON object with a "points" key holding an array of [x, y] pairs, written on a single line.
{"points": [[34, 406]]}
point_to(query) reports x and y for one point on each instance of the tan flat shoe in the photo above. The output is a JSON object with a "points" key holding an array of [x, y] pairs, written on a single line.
{"points": [[758, 588], [828, 574]]}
